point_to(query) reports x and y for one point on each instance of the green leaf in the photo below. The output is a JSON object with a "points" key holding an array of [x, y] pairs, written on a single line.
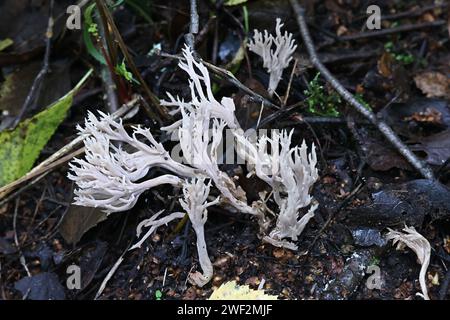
{"points": [[20, 147], [5, 43], [121, 70], [246, 24], [230, 3], [90, 28], [234, 65]]}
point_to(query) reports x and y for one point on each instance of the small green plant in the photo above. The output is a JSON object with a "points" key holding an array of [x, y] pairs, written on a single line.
{"points": [[246, 24], [359, 97], [158, 295], [90, 32], [389, 46], [404, 58], [121, 70], [375, 261], [320, 102], [93, 29]]}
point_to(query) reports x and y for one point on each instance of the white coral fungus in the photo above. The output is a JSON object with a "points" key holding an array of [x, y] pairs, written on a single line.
{"points": [[113, 174], [419, 244], [195, 203], [277, 59]]}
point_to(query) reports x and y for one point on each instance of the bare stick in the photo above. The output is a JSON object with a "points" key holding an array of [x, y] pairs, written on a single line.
{"points": [[16, 241], [194, 25], [288, 90], [390, 135], [399, 29], [35, 90], [109, 86], [109, 275]]}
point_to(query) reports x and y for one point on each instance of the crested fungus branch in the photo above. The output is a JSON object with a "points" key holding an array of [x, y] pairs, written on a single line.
{"points": [[419, 244], [196, 205], [276, 59]]}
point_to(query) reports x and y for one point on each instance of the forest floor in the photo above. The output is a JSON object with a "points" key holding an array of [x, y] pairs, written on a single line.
{"points": [[365, 185]]}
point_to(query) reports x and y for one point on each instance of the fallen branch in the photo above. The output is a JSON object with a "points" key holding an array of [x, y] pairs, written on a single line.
{"points": [[414, 12], [390, 135], [193, 26], [399, 29]]}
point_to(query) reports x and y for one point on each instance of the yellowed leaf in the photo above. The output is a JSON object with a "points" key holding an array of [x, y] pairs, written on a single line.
{"points": [[232, 291]]}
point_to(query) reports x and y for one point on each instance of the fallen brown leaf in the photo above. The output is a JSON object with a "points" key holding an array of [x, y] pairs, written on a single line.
{"points": [[385, 65], [433, 84]]}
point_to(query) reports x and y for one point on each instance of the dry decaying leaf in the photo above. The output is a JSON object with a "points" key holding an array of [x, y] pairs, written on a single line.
{"points": [[383, 158], [78, 221], [430, 115], [433, 84], [43, 286], [436, 146], [385, 65]]}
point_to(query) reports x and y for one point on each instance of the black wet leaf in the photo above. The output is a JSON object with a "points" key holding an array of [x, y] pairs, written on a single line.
{"points": [[43, 286]]}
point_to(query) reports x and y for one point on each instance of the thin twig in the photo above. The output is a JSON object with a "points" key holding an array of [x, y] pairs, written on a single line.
{"points": [[24, 188], [16, 239], [215, 45], [281, 112], [410, 13], [193, 26], [109, 86], [118, 38], [111, 273], [288, 90], [390, 135], [233, 80], [35, 91], [384, 32], [111, 45], [202, 34]]}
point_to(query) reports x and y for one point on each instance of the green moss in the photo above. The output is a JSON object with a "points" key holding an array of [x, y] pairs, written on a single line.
{"points": [[7, 87], [319, 101]]}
